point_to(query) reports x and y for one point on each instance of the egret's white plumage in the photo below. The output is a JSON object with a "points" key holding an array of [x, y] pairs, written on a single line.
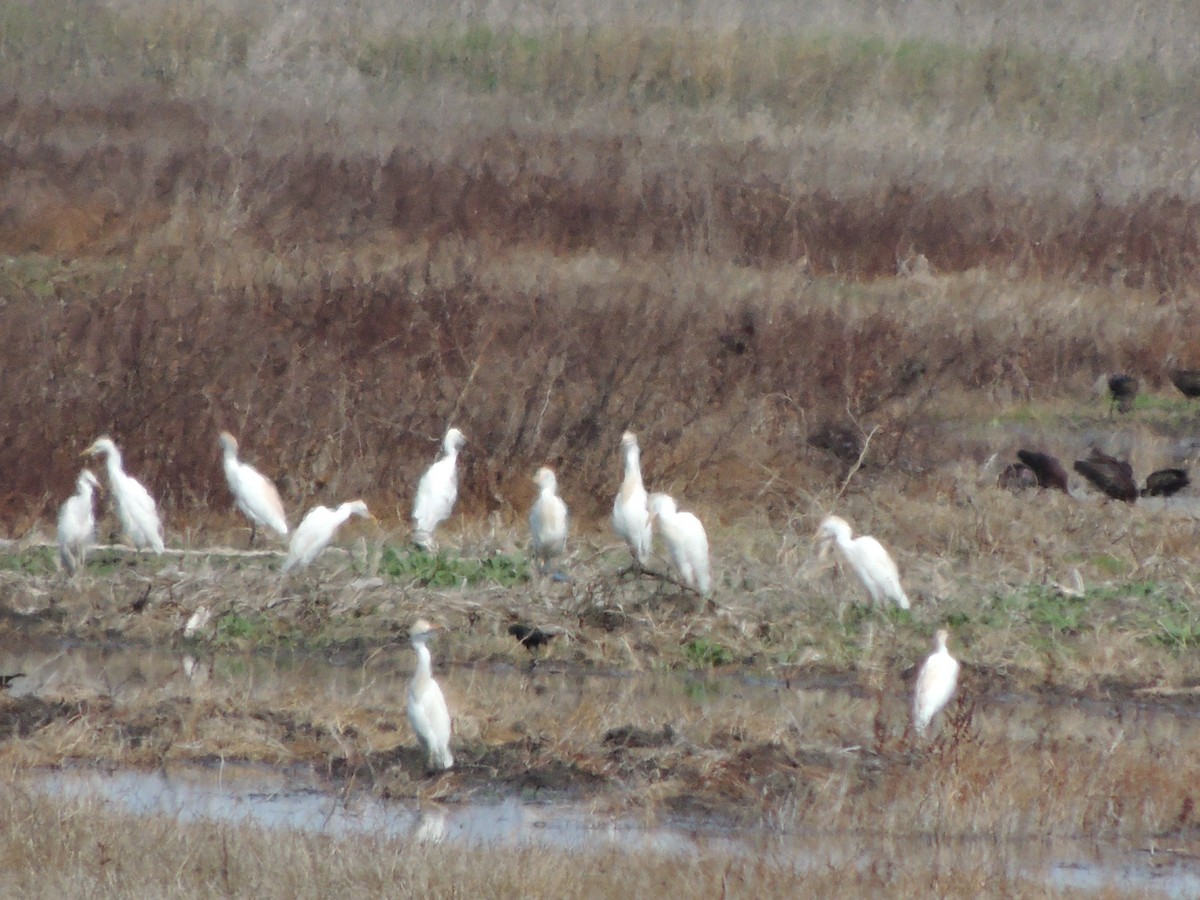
{"points": [[631, 515], [427, 710], [135, 507], [437, 491], [253, 492], [870, 562], [77, 523], [547, 519], [935, 683], [317, 529], [687, 544]]}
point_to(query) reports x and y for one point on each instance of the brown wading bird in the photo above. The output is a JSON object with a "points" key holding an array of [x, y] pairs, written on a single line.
{"points": [[1122, 390], [1048, 471], [1111, 475]]}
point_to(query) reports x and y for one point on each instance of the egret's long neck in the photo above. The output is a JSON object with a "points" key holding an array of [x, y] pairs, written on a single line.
{"points": [[113, 461], [341, 514], [424, 663], [633, 468]]}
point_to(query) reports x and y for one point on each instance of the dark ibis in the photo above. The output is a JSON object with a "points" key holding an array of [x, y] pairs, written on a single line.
{"points": [[1048, 471], [1122, 390], [1165, 482], [1111, 475]]}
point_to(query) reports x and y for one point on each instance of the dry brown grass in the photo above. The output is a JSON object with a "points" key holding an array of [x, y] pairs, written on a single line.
{"points": [[335, 233], [280, 223], [71, 848]]}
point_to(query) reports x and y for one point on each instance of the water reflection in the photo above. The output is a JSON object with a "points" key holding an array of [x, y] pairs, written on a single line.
{"points": [[821, 711], [295, 799]]}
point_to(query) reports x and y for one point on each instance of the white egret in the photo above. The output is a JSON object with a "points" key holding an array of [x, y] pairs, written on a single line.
{"points": [[427, 711], [547, 519], [935, 683], [317, 529], [77, 523], [135, 507], [687, 544], [437, 491], [631, 516], [866, 556], [253, 492]]}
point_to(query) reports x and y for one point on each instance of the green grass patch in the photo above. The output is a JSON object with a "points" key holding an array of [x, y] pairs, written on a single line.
{"points": [[238, 628], [34, 561], [705, 653], [441, 570]]}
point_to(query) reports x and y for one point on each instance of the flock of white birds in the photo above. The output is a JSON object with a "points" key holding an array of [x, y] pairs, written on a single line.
{"points": [[635, 517]]}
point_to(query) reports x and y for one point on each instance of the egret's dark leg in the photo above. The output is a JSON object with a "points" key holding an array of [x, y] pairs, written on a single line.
{"points": [[253, 531]]}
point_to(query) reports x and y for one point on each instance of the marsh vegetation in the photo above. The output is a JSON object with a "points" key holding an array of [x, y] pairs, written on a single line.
{"points": [[821, 257]]}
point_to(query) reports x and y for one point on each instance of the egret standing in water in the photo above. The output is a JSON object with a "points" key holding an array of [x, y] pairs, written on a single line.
{"points": [[687, 544], [631, 514], [427, 711], [935, 683], [437, 491], [866, 556], [135, 506], [547, 520], [77, 523], [254, 493], [317, 530]]}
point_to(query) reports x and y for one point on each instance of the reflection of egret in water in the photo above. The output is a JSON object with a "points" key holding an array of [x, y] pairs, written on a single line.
{"points": [[197, 622], [431, 828], [196, 670]]}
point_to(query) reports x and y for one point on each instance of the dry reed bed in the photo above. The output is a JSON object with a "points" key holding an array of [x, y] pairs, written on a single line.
{"points": [[282, 222]]}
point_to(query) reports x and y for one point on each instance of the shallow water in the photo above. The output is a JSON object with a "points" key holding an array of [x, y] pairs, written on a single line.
{"points": [[297, 797]]}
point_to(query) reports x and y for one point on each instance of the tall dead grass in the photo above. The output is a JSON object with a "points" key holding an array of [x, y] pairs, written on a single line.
{"points": [[335, 234]]}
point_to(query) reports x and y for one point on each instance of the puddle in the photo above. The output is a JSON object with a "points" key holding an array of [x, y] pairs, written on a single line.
{"points": [[298, 798], [295, 799]]}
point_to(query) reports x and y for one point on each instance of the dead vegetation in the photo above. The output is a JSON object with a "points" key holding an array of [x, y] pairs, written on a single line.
{"points": [[335, 234]]}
